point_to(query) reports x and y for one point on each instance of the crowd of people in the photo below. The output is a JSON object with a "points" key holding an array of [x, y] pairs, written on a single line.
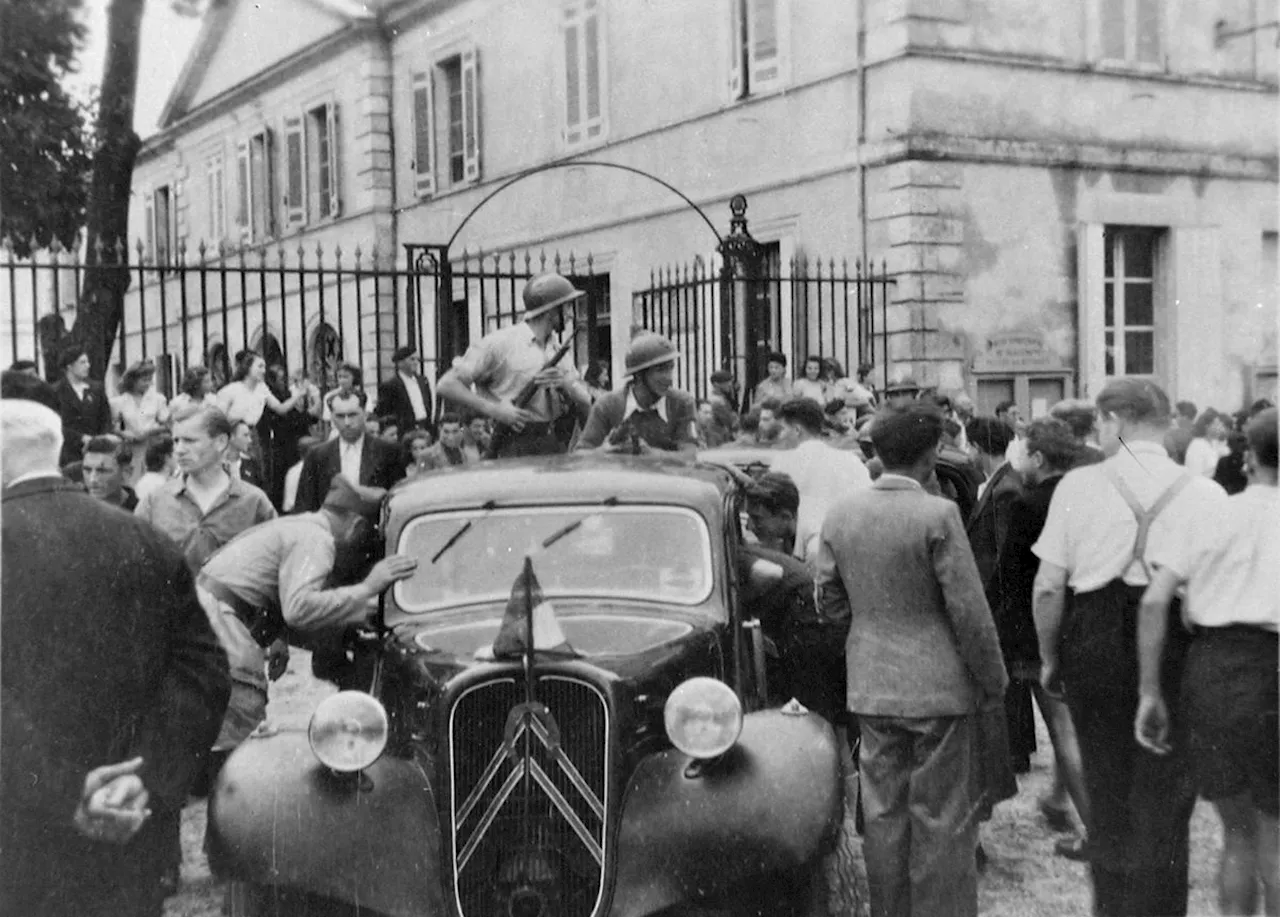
{"points": [[1100, 574]]}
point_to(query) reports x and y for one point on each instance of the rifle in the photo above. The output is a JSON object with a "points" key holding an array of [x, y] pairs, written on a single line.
{"points": [[502, 433]]}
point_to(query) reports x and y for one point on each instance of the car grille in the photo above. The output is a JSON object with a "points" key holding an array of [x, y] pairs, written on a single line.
{"points": [[529, 797]]}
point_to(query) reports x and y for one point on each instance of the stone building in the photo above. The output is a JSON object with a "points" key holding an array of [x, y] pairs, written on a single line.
{"points": [[1061, 191]]}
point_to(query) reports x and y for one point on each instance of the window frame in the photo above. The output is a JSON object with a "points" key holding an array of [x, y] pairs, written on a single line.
{"points": [[432, 173], [586, 131], [1130, 16], [154, 232], [252, 202], [1117, 282], [744, 80], [216, 198]]}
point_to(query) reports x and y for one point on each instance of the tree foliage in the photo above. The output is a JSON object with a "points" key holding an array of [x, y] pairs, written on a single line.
{"points": [[45, 135]]}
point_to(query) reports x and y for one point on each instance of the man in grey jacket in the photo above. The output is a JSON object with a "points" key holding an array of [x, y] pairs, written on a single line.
{"points": [[923, 658]]}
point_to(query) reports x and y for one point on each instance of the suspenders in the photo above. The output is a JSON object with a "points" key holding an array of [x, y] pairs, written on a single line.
{"points": [[1144, 516]]}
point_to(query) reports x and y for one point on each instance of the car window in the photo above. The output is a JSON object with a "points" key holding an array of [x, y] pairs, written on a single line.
{"points": [[648, 553]]}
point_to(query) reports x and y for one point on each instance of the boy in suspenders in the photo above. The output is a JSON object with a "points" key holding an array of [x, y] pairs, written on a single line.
{"points": [[1104, 522]]}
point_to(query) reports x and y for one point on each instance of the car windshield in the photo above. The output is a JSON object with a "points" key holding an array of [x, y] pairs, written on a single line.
{"points": [[646, 553]]}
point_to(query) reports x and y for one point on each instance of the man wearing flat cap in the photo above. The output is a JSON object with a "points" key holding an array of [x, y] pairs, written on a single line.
{"points": [[271, 581], [901, 392], [406, 396], [505, 363]]}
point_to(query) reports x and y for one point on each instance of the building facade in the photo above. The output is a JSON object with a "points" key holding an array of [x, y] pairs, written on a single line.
{"points": [[1062, 192]]}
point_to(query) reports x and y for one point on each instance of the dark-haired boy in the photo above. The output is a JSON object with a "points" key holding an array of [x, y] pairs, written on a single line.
{"points": [[775, 386], [923, 658]]}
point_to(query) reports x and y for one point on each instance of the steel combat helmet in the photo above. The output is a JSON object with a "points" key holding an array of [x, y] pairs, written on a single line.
{"points": [[648, 350], [547, 291]]}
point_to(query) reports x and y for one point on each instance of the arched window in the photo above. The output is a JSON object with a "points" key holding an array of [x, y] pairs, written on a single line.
{"points": [[267, 345], [325, 354], [219, 364]]}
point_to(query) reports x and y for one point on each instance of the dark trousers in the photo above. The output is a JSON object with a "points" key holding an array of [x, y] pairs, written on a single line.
{"points": [[1141, 802], [920, 827]]}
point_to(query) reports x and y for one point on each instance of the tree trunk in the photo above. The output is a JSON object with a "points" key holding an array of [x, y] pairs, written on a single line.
{"points": [[107, 275]]}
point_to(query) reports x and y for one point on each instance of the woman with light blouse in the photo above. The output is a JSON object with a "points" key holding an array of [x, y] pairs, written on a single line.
{"points": [[247, 396], [141, 413]]}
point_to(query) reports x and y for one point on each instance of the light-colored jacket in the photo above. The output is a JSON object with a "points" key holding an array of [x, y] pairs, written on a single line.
{"points": [[921, 642]]}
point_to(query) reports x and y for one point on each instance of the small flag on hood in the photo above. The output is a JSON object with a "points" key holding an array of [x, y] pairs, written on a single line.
{"points": [[529, 621]]}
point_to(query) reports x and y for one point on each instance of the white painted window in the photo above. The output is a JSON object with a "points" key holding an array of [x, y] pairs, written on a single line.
{"points": [[1131, 31], [757, 46], [254, 213], [161, 225], [446, 123], [1129, 300], [323, 201], [585, 83], [216, 199]]}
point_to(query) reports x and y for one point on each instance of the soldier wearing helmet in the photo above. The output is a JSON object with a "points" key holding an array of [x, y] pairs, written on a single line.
{"points": [[511, 363], [648, 414]]}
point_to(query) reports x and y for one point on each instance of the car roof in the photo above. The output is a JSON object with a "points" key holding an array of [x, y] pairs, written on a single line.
{"points": [[577, 478]]}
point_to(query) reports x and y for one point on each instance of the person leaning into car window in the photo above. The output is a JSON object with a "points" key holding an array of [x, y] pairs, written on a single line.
{"points": [[772, 504], [647, 415]]}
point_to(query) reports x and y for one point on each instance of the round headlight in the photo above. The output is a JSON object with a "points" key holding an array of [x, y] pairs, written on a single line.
{"points": [[703, 717], [348, 731]]}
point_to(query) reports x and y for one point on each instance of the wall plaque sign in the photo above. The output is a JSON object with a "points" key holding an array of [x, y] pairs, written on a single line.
{"points": [[1016, 352]]}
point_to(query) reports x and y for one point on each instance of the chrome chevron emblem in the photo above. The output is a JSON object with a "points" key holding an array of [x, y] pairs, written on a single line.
{"points": [[526, 723]]}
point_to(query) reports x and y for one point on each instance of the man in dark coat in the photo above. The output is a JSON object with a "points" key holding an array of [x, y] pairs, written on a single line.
{"points": [[406, 395], [82, 405], [365, 460], [113, 687]]}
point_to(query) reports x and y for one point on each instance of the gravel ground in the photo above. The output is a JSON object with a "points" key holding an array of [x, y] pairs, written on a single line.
{"points": [[1023, 877]]}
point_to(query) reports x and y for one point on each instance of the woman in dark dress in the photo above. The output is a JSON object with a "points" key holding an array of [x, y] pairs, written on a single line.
{"points": [[1051, 451]]}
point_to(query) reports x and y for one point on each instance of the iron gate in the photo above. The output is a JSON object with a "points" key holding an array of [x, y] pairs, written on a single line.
{"points": [[722, 319]]}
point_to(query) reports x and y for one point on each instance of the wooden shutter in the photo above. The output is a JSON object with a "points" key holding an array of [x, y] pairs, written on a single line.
{"points": [[244, 189], [149, 220], [1147, 29], [470, 115], [763, 47], [735, 48], [1090, 330], [331, 124], [424, 170], [573, 88], [592, 70], [295, 171]]}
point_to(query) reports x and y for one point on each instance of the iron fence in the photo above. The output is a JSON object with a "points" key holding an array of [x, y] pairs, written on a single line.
{"points": [[299, 308], [801, 308]]}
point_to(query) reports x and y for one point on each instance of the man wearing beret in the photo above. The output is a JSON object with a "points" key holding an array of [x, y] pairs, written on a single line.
{"points": [[406, 395], [272, 579]]}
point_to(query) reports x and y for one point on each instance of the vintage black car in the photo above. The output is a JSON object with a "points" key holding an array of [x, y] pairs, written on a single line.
{"points": [[635, 771]]}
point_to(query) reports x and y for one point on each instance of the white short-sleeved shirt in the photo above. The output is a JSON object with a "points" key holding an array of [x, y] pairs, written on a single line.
{"points": [[1230, 561], [240, 402], [1090, 530], [823, 475], [503, 361]]}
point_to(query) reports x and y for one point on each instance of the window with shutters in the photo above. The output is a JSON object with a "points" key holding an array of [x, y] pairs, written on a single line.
{"points": [[1129, 300], [446, 123], [757, 46], [1130, 32], [216, 200], [321, 145], [161, 225], [254, 211], [585, 83]]}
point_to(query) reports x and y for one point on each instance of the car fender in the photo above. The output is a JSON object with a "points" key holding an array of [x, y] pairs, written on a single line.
{"points": [[773, 803], [277, 817]]}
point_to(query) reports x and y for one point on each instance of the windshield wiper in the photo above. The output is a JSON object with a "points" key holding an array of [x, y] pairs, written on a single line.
{"points": [[574, 525], [488, 507]]}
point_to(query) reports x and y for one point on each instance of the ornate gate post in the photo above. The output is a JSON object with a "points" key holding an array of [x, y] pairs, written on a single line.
{"points": [[744, 321]]}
